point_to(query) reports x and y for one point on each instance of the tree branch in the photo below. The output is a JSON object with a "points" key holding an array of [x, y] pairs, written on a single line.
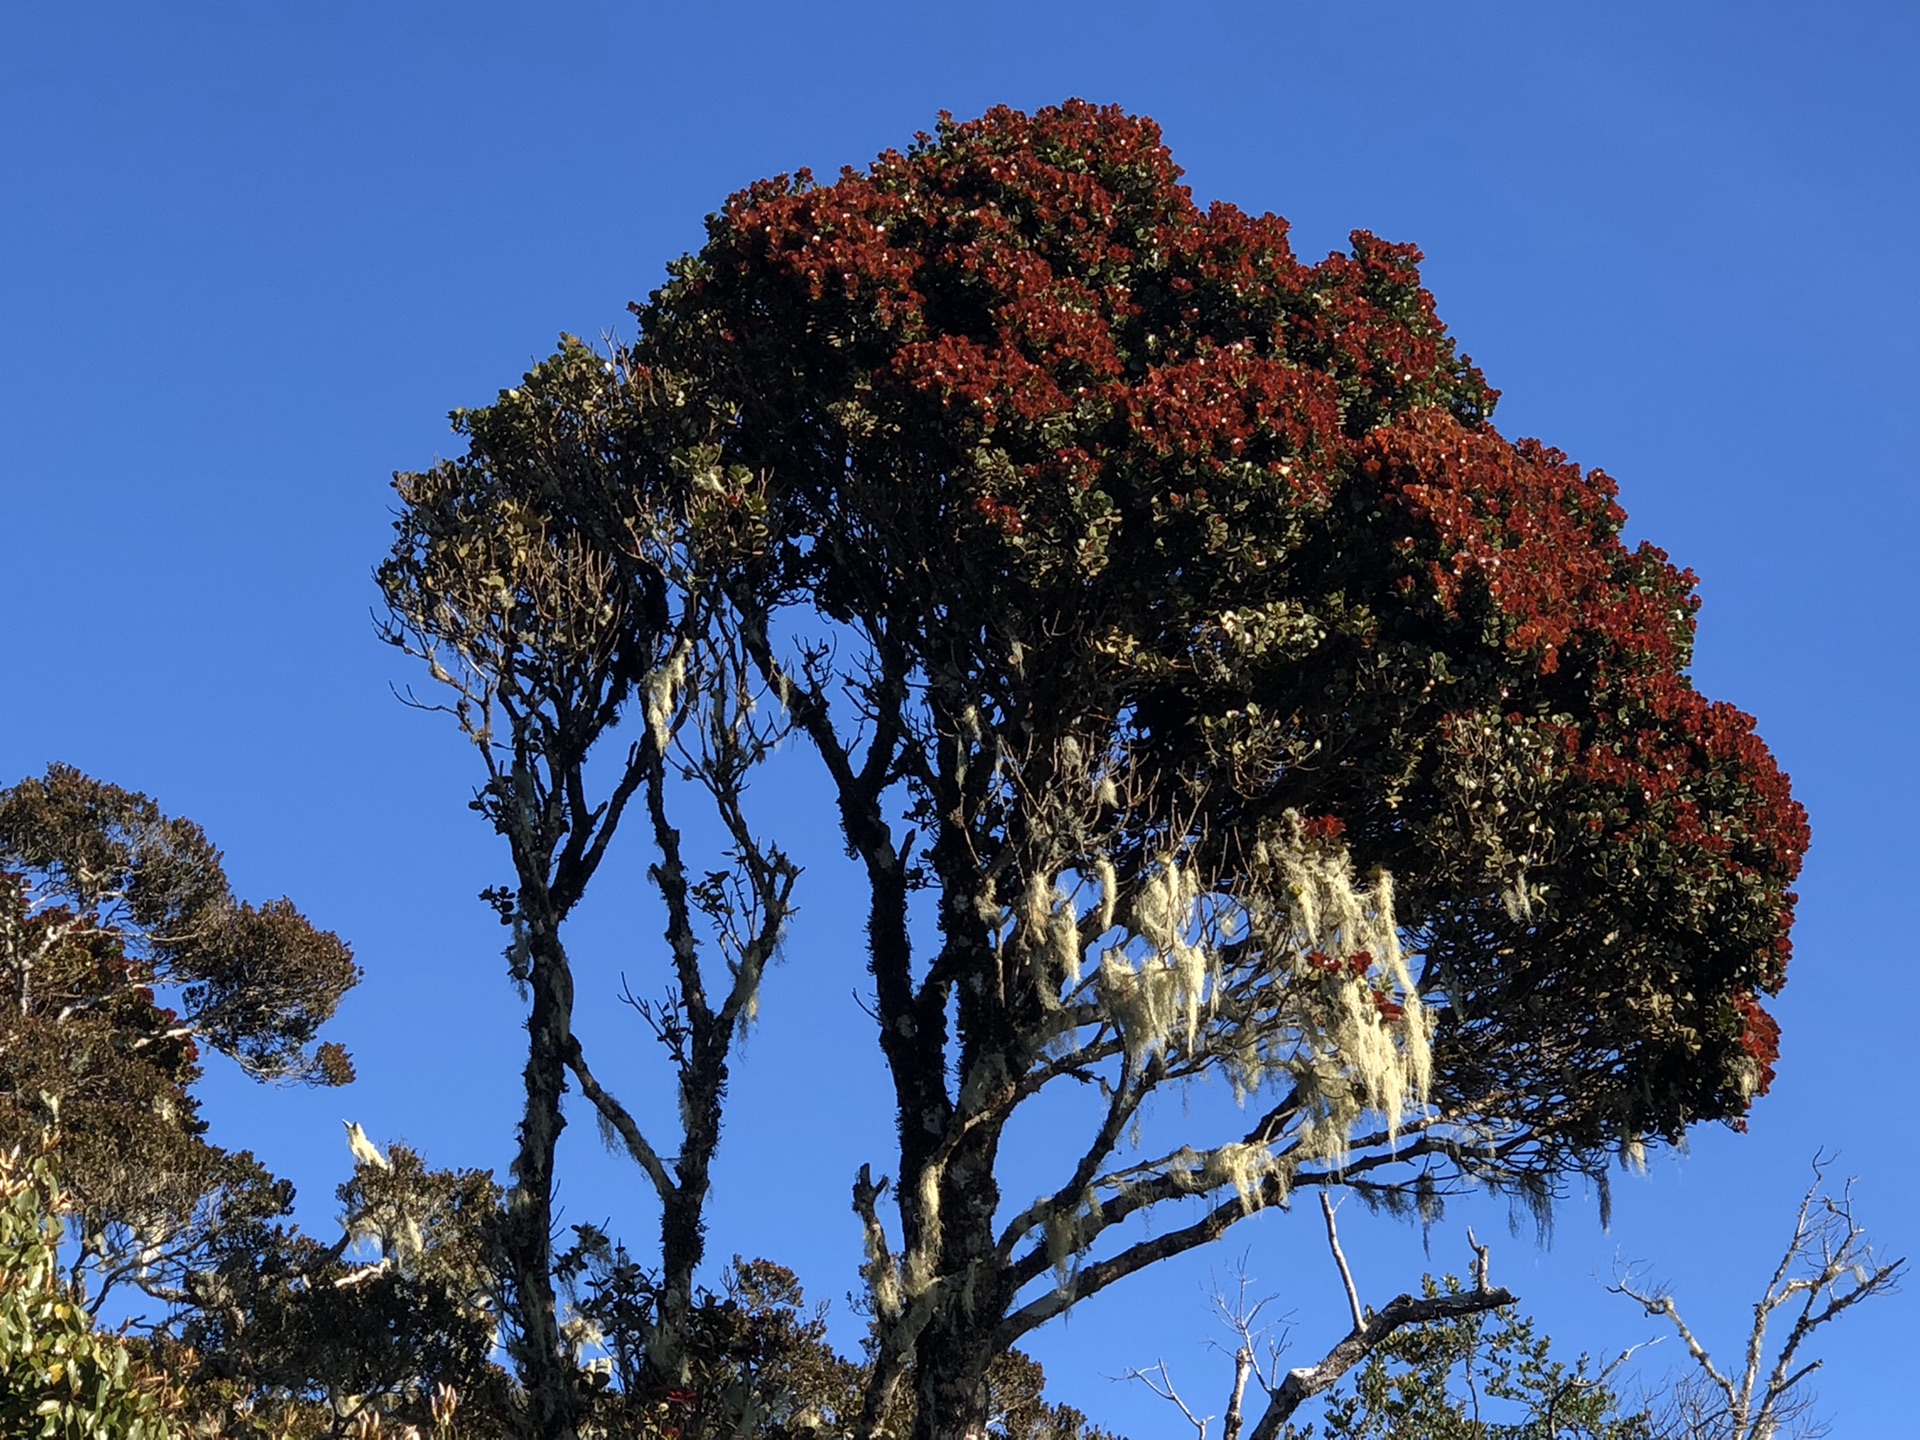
{"points": [[1346, 1275], [623, 1123], [1303, 1384]]}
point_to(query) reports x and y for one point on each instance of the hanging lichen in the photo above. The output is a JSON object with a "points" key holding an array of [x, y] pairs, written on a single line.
{"points": [[1307, 962]]}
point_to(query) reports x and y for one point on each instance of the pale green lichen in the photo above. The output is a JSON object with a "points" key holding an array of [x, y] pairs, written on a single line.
{"points": [[1360, 1016], [1109, 883], [660, 695], [1067, 1231], [1167, 992], [918, 1276], [1249, 1168]]}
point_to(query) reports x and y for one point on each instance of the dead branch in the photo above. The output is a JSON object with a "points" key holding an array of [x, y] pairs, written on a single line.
{"points": [[1828, 1267]]}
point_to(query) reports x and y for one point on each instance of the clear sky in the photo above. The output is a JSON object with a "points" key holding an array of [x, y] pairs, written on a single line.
{"points": [[251, 254]]}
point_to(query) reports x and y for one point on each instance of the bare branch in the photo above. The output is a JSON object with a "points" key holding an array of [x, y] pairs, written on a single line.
{"points": [[1303, 1384], [1161, 1383], [620, 1120], [1346, 1275], [1827, 1267]]}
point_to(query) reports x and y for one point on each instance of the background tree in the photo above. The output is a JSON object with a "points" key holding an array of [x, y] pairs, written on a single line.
{"points": [[1242, 702], [560, 576], [122, 951], [1480, 1377], [1472, 1366], [1827, 1268], [1482, 1374], [395, 1322]]}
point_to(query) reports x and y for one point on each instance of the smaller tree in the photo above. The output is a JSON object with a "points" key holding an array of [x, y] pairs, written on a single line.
{"points": [[393, 1322], [562, 575], [1486, 1376], [757, 1362], [1829, 1266], [1376, 1335]]}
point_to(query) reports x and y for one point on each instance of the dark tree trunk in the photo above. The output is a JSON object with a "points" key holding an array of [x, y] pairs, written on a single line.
{"points": [[960, 1341], [553, 1399], [683, 1228], [951, 1389]]}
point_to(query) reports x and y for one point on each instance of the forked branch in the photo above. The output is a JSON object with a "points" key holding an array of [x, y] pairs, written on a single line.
{"points": [[1370, 1330], [1828, 1267]]}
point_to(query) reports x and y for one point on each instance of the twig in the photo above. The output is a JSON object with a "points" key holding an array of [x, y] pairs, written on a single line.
{"points": [[1346, 1275]]}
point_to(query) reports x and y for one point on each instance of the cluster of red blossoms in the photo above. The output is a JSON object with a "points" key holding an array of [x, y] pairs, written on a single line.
{"points": [[1088, 389], [1088, 321], [1355, 964], [1322, 829]]}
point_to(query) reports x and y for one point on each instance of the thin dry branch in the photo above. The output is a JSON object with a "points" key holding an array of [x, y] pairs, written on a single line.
{"points": [[1340, 1260], [1827, 1267]]}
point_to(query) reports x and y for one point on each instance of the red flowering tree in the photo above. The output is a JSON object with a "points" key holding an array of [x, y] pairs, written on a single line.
{"points": [[1236, 700]]}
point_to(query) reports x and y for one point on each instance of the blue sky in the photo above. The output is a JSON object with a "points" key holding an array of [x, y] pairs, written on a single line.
{"points": [[252, 254]]}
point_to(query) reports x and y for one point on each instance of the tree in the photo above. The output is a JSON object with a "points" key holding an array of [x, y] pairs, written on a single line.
{"points": [[59, 1376], [559, 577], [1469, 1370], [122, 951], [1375, 1333], [282, 1335], [1179, 635], [1827, 1268], [1482, 1377], [1483, 1374]]}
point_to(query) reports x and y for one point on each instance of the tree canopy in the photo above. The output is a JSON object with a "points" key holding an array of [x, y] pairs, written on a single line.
{"points": [[123, 950], [1245, 702]]}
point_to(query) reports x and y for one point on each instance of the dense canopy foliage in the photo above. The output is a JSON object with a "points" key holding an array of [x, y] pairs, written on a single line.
{"points": [[1030, 409], [123, 951]]}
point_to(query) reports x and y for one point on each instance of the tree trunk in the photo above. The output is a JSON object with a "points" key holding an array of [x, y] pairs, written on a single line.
{"points": [[553, 1396], [683, 1228], [960, 1341], [950, 1377]]}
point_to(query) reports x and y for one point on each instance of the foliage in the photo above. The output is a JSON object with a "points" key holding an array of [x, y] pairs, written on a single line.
{"points": [[122, 951], [385, 1323], [1247, 703], [759, 1363], [254, 982], [60, 1377], [1482, 1377]]}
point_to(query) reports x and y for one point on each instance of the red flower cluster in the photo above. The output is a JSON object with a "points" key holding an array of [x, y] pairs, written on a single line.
{"points": [[1322, 828], [1045, 284], [1356, 964], [1759, 1037]]}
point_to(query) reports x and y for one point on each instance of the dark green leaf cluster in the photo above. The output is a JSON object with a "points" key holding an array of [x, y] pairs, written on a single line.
{"points": [[389, 1321], [122, 950], [254, 982], [1484, 1377]]}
